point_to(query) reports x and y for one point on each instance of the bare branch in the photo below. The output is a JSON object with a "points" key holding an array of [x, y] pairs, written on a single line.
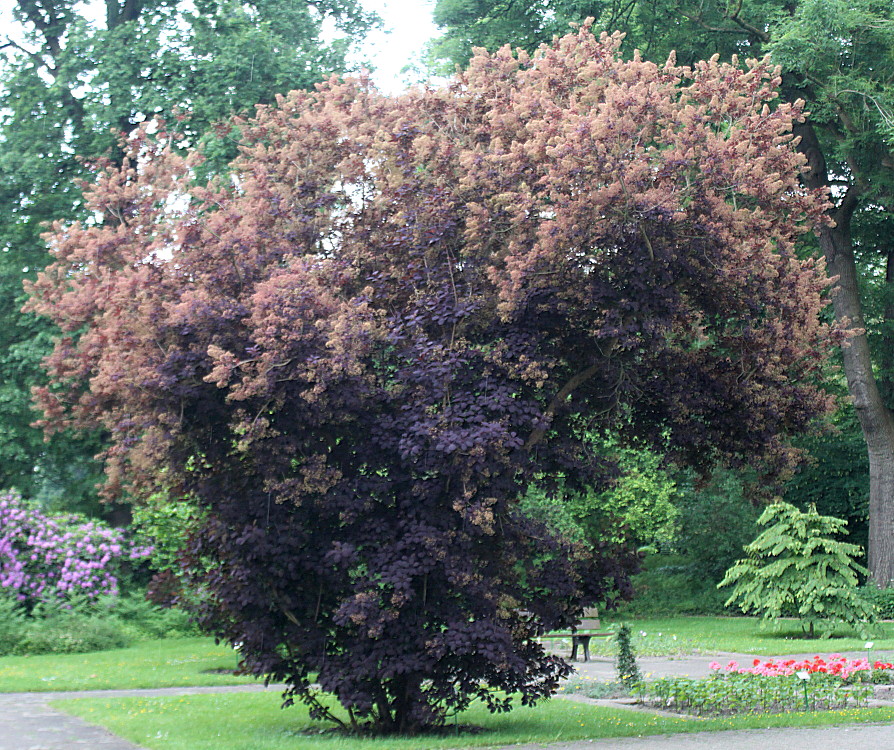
{"points": [[35, 56], [558, 400], [735, 18]]}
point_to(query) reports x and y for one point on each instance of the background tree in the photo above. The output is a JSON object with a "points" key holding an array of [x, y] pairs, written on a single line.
{"points": [[834, 478], [635, 510], [838, 56], [73, 79], [398, 315]]}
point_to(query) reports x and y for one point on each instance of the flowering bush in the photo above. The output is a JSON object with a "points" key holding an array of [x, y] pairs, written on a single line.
{"points": [[45, 557]]}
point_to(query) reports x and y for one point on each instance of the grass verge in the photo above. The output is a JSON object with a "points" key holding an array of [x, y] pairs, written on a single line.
{"points": [[670, 636], [254, 721], [175, 662]]}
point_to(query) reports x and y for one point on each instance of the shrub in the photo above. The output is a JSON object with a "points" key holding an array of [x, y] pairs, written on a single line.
{"points": [[668, 585], [360, 348], [165, 524], [73, 632], [881, 599], [716, 521], [79, 625], [149, 620], [12, 622], [796, 566], [45, 557]]}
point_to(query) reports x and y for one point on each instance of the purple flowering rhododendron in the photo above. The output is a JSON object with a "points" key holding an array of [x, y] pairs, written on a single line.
{"points": [[45, 557]]}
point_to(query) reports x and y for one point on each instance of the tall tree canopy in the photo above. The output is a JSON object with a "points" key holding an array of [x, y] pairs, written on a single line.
{"points": [[73, 78], [398, 315], [839, 57]]}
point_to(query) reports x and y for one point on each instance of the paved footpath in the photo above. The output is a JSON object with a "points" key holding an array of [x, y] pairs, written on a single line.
{"points": [[28, 722], [864, 737]]}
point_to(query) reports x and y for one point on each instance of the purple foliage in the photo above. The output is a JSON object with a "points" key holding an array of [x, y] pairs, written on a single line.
{"points": [[397, 316]]}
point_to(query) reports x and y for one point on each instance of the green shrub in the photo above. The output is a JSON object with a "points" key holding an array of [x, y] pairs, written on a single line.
{"points": [[881, 599], [74, 633], [149, 620], [12, 622], [669, 585], [716, 521], [797, 566], [85, 625], [165, 523], [636, 510], [835, 477]]}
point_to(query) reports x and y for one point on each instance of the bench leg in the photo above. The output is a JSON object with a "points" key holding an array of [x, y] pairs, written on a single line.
{"points": [[583, 640]]}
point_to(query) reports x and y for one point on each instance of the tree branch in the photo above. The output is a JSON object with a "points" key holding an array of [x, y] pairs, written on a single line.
{"points": [[848, 205], [734, 17], [713, 29], [558, 400], [35, 56]]}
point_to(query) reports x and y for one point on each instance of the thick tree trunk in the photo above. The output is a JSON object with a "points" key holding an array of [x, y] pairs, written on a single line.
{"points": [[876, 420]]}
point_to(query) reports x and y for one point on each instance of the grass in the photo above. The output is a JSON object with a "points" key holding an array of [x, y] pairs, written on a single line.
{"points": [[186, 661], [175, 662], [671, 636], [254, 721]]}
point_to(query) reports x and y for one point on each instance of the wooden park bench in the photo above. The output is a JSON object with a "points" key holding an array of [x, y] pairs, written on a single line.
{"points": [[589, 627]]}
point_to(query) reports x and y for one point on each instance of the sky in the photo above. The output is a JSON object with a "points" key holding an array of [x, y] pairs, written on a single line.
{"points": [[411, 27]]}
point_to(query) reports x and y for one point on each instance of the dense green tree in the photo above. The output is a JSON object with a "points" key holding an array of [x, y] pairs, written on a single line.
{"points": [[73, 78], [839, 57], [797, 566], [833, 478]]}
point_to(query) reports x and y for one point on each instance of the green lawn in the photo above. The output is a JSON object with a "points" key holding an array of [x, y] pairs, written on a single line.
{"points": [[186, 661], [254, 721], [682, 635], [174, 662]]}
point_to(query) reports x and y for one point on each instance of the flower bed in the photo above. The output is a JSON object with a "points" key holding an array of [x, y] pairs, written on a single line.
{"points": [[834, 664], [771, 686]]}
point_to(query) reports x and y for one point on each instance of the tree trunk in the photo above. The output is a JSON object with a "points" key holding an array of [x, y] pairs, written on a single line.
{"points": [[875, 418]]}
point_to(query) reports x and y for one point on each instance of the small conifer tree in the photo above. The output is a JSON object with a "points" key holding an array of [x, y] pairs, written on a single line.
{"points": [[628, 671], [797, 567]]}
